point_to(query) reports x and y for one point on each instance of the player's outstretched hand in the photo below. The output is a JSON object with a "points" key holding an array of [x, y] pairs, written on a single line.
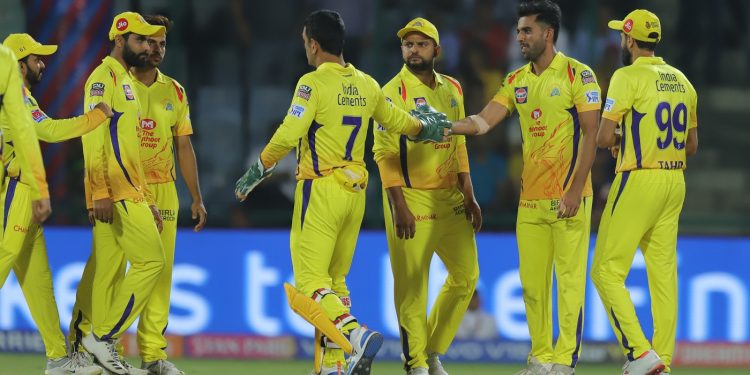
{"points": [[102, 106], [473, 214], [257, 173], [435, 125]]}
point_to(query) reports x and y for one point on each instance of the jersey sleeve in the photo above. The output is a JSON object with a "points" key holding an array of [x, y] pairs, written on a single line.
{"points": [[619, 98], [461, 152], [586, 91], [21, 125], [693, 108], [394, 119], [57, 130], [386, 145], [99, 88], [505, 94], [183, 125], [301, 114]]}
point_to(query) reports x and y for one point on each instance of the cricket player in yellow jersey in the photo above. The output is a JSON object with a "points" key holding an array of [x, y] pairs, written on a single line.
{"points": [[166, 130], [328, 122], [428, 205], [20, 233], [557, 100], [119, 199], [654, 106]]}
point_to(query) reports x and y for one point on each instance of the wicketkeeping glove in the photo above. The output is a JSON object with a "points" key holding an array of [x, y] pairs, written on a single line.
{"points": [[433, 122], [251, 179]]}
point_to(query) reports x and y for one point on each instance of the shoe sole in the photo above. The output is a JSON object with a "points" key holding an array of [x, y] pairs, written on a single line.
{"points": [[364, 364], [657, 370]]}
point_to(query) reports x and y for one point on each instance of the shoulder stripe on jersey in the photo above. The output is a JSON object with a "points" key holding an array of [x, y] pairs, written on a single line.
{"points": [[179, 91], [455, 83], [113, 75], [571, 76], [513, 75], [403, 91]]}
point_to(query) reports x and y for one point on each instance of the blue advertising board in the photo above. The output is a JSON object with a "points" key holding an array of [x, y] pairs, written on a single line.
{"points": [[230, 282]]}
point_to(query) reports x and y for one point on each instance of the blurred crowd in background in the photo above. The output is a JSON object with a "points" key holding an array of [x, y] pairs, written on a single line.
{"points": [[240, 60]]}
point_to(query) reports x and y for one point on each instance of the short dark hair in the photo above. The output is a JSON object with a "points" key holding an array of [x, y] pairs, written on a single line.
{"points": [[158, 20], [327, 28], [546, 12], [651, 46]]}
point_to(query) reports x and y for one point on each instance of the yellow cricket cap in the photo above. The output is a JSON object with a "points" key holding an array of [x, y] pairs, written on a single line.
{"points": [[24, 45], [420, 25], [640, 24], [132, 22]]}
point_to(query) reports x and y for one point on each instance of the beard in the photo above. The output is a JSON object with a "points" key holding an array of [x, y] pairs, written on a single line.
{"points": [[423, 66], [131, 58], [33, 77], [532, 52], [627, 57]]}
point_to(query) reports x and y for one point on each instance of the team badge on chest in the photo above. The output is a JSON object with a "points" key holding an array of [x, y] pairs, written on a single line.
{"points": [[522, 94], [128, 92]]}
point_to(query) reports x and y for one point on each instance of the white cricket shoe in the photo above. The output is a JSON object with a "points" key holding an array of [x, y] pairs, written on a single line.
{"points": [[366, 344], [648, 363], [418, 371], [536, 368], [436, 368], [105, 353], [70, 365], [558, 369], [132, 370], [162, 367]]}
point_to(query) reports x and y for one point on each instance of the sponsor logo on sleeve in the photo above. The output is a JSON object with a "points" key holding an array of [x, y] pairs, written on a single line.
{"points": [[297, 111], [592, 97], [304, 91], [522, 94], [38, 116], [97, 89], [587, 77], [128, 92], [609, 104], [420, 101]]}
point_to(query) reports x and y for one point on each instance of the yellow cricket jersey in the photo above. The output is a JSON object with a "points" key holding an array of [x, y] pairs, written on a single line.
{"points": [[656, 105], [164, 115], [18, 127], [421, 165], [329, 119], [49, 130], [548, 106], [111, 152]]}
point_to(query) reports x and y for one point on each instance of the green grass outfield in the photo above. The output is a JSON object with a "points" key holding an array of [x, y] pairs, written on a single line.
{"points": [[26, 364]]}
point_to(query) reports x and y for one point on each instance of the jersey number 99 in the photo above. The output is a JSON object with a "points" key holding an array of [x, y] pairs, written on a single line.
{"points": [[673, 123]]}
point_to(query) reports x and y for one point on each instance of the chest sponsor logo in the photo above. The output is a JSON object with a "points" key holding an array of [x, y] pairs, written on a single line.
{"points": [[555, 92], [420, 101], [609, 104], [38, 115], [304, 92], [587, 77], [297, 111], [536, 114], [592, 97], [454, 103], [97, 89], [169, 107], [522, 94], [128, 92], [148, 124]]}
